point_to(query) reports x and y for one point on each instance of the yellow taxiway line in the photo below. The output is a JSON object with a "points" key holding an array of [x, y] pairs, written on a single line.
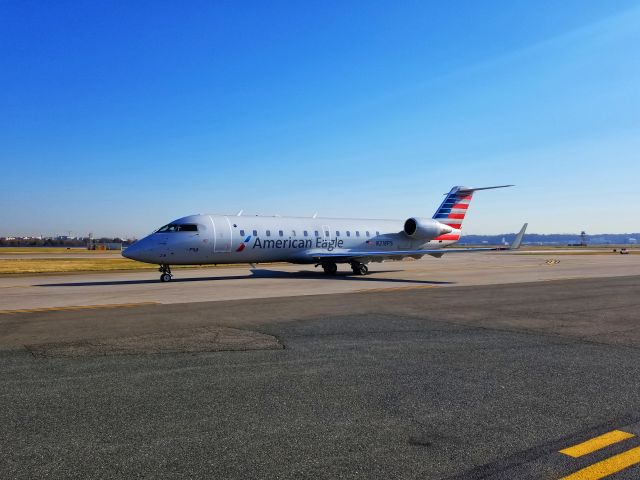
{"points": [[597, 443], [607, 467], [76, 307]]}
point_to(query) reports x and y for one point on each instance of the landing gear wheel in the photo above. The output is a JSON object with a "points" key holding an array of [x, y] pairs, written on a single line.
{"points": [[166, 273], [359, 268], [330, 268]]}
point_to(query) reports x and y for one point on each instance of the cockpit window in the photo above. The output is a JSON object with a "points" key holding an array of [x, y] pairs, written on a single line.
{"points": [[188, 227], [174, 227]]}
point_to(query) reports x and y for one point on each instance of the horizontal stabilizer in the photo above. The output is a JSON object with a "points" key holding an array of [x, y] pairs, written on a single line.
{"points": [[471, 190]]}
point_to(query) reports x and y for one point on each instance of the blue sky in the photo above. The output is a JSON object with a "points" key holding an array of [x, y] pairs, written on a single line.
{"points": [[117, 117]]}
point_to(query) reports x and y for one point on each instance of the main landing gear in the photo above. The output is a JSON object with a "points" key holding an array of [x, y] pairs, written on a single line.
{"points": [[330, 268], [359, 268], [165, 273]]}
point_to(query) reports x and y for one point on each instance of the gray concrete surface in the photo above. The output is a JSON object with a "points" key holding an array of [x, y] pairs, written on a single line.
{"points": [[485, 381], [40, 291]]}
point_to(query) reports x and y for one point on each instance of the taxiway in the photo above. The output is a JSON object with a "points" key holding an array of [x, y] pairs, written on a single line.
{"points": [[493, 369]]}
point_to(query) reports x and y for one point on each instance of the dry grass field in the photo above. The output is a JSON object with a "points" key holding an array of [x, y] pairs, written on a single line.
{"points": [[53, 251], [50, 265]]}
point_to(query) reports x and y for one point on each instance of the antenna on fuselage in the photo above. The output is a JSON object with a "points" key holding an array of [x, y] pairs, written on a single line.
{"points": [[239, 214], [315, 215]]}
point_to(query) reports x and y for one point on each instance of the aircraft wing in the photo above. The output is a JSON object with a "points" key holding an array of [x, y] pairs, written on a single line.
{"points": [[398, 253], [359, 254]]}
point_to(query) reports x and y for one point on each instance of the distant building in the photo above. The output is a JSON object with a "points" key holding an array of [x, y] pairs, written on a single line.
{"points": [[105, 246], [583, 240]]}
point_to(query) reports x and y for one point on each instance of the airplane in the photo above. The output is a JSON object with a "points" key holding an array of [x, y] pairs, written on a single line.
{"points": [[326, 242]]}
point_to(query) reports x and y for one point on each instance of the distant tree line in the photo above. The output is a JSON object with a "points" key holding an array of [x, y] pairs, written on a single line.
{"points": [[553, 239], [55, 242]]}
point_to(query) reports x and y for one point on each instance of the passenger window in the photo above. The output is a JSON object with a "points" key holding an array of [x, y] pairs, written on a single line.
{"points": [[268, 233], [348, 233], [305, 233], [367, 234], [242, 233], [316, 232], [255, 233], [281, 233], [337, 233], [326, 233], [377, 233], [357, 233], [293, 233]]}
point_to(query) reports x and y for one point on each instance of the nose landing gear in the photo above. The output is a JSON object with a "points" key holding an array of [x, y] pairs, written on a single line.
{"points": [[165, 273]]}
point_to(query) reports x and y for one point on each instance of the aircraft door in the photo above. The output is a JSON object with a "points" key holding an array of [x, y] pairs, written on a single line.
{"points": [[326, 233], [223, 234]]}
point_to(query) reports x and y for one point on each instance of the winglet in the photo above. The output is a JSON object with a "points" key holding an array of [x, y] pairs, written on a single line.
{"points": [[518, 240]]}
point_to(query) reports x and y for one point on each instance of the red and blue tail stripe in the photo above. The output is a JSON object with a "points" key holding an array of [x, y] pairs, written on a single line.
{"points": [[453, 210]]}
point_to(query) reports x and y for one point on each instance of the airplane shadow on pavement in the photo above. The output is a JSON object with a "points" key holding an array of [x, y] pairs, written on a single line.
{"points": [[260, 273]]}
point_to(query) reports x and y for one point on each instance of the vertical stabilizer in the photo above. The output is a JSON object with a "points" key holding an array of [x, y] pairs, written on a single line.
{"points": [[456, 203]]}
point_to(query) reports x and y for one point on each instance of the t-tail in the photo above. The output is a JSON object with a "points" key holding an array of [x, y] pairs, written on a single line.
{"points": [[456, 204]]}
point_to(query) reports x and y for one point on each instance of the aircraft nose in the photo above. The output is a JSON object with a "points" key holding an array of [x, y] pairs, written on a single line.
{"points": [[131, 251], [142, 251], [138, 250]]}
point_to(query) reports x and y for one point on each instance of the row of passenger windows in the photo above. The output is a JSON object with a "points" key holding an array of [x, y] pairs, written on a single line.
{"points": [[190, 227], [305, 233]]}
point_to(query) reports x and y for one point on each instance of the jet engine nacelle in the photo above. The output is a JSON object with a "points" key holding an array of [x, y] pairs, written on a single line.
{"points": [[425, 228]]}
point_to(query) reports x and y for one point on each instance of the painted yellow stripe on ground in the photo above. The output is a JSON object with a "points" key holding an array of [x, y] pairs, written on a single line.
{"points": [[76, 307], [597, 443], [607, 467]]}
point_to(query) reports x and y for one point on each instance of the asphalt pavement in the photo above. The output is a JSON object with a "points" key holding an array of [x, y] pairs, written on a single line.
{"points": [[470, 382]]}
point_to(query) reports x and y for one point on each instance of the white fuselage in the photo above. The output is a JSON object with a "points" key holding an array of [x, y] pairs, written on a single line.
{"points": [[219, 239]]}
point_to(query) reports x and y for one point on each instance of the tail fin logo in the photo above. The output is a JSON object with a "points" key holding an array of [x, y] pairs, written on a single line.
{"points": [[455, 205], [454, 208]]}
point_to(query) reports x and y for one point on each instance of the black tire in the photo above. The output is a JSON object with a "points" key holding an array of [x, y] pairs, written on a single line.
{"points": [[165, 277], [359, 269], [330, 268]]}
